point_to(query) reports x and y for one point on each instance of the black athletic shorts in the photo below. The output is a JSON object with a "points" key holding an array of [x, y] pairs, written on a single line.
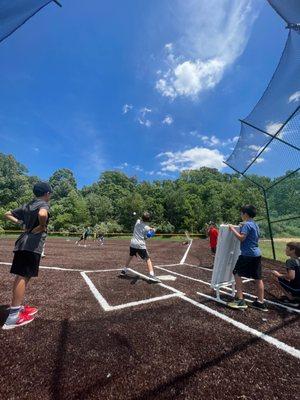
{"points": [[248, 267], [26, 264], [289, 287], [143, 253]]}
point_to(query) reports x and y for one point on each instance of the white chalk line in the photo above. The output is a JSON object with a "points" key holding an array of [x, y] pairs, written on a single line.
{"points": [[70, 269], [168, 265], [54, 268], [106, 307], [102, 270], [159, 284], [269, 339], [198, 266], [186, 253], [146, 301], [101, 300]]}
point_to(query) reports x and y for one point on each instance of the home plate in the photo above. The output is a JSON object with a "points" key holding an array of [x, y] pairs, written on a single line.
{"points": [[167, 277]]}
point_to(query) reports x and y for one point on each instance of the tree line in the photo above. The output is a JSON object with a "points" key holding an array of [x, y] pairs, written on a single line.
{"points": [[186, 203]]}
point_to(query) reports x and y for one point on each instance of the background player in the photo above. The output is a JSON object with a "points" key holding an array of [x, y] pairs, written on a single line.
{"points": [[86, 233]]}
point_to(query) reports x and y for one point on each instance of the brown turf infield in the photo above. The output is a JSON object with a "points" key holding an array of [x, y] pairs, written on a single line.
{"points": [[168, 348]]}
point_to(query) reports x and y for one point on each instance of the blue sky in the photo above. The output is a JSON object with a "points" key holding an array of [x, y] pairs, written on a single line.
{"points": [[146, 87]]}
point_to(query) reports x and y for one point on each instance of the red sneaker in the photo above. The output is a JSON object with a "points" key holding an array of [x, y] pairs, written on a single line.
{"points": [[23, 319], [29, 310]]}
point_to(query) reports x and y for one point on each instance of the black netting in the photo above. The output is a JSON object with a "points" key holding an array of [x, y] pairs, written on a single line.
{"points": [[289, 10], [280, 100], [13, 13], [282, 96], [250, 143], [268, 150]]}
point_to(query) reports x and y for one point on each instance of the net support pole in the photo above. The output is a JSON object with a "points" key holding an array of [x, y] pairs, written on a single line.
{"points": [[269, 223]]}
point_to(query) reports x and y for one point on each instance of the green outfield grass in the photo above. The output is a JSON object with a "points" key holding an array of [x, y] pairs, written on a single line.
{"points": [[280, 245]]}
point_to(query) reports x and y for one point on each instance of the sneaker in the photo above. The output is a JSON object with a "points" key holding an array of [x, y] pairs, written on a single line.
{"points": [[29, 310], [124, 271], [259, 306], [154, 278], [22, 319], [239, 304]]}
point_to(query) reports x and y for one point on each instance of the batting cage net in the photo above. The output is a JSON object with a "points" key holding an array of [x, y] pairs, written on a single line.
{"points": [[14, 13], [268, 150]]}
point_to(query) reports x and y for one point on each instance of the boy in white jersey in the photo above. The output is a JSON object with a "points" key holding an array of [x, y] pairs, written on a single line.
{"points": [[138, 245]]}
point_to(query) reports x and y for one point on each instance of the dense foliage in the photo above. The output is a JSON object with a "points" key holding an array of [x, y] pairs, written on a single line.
{"points": [[186, 203]]}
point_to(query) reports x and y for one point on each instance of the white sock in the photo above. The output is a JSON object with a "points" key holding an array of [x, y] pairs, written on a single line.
{"points": [[152, 273]]}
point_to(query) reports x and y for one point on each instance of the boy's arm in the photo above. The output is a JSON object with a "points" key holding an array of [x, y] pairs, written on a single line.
{"points": [[8, 215], [278, 274], [290, 274], [43, 218], [240, 236]]}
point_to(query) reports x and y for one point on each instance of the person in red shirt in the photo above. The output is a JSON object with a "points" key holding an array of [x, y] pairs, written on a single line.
{"points": [[213, 233]]}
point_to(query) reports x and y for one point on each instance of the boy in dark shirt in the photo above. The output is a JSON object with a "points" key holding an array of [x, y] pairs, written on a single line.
{"points": [[33, 216], [249, 262], [86, 233], [290, 282]]}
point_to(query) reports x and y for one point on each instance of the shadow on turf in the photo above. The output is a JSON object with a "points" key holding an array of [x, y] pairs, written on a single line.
{"points": [[135, 278], [3, 313], [180, 381], [57, 375], [168, 390]]}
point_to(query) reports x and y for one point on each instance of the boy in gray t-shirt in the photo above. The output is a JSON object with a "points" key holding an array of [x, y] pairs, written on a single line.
{"points": [[138, 245], [33, 217]]}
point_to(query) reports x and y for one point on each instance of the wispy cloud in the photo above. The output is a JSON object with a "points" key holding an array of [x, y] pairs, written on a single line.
{"points": [[168, 120], [295, 97], [214, 141], [143, 119], [126, 108], [192, 158], [273, 127], [213, 36]]}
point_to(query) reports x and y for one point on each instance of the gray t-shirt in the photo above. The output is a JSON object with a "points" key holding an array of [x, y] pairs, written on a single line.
{"points": [[139, 235], [28, 213]]}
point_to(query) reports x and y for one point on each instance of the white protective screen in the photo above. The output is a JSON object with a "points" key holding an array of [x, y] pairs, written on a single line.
{"points": [[228, 251]]}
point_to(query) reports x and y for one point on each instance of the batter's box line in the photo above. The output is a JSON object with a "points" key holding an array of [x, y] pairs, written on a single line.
{"points": [[70, 269], [106, 307]]}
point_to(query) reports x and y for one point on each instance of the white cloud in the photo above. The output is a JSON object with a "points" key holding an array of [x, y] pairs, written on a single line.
{"points": [[142, 119], [259, 160], [36, 149], [169, 47], [273, 127], [193, 158], [213, 35], [137, 168], [168, 120], [126, 108], [122, 166], [230, 141], [254, 147], [295, 97], [213, 141]]}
